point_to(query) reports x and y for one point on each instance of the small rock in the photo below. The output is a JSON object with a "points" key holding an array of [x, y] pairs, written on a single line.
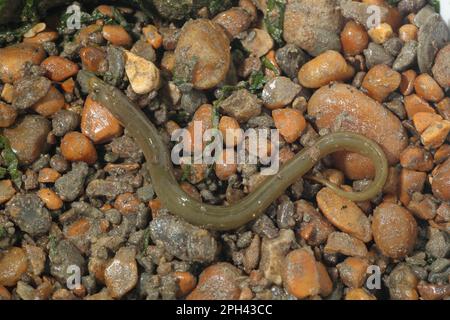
{"points": [[29, 90], [36, 258], [393, 46], [234, 20], [217, 282], [340, 242], [121, 274], [50, 104], [258, 42], [290, 58], [13, 264], [8, 115], [75, 146], [290, 122], [313, 25], [97, 123], [279, 92], [361, 12], [407, 56], [433, 35], [314, 228], [344, 214], [14, 58], [241, 105], [438, 245], [380, 81], [441, 67], [70, 185], [28, 213], [63, 256], [273, 252], [300, 274], [117, 35], [7, 191], [143, 74], [410, 6], [28, 137], [252, 254], [59, 68], [394, 230], [402, 283], [353, 271], [64, 121], [107, 188], [325, 68], [376, 54], [183, 240]]}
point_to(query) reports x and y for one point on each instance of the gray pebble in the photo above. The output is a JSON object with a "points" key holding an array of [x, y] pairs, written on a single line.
{"points": [[407, 57]]}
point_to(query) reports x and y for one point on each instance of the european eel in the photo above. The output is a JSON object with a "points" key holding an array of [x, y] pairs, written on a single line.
{"points": [[217, 217]]}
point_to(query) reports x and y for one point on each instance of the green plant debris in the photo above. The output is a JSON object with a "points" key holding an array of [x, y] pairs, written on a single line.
{"points": [[274, 19], [187, 171], [10, 162]]}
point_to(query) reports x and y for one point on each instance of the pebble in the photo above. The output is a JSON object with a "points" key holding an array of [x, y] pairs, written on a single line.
{"points": [[203, 45], [354, 38], [410, 6], [93, 59], [63, 255], [407, 82], [394, 230], [241, 105], [28, 138], [407, 56], [97, 123], [416, 158], [234, 21], [121, 274], [393, 46], [340, 242], [361, 12], [380, 81], [14, 58], [353, 271], [433, 35], [107, 188], [231, 131], [70, 185], [314, 228], [313, 25], [28, 213], [258, 42], [440, 182], [186, 283], [29, 90], [219, 281], [144, 76], [7, 191], [50, 104], [441, 67], [325, 68], [431, 291], [300, 274], [77, 147], [438, 245], [381, 33], [415, 104], [279, 92], [408, 32], [13, 264], [225, 170], [402, 283], [117, 35], [64, 121], [376, 54], [409, 182], [435, 135], [427, 88], [344, 214], [127, 203], [8, 115], [341, 107], [273, 252], [51, 200], [290, 58], [358, 294], [183, 240], [58, 68], [290, 122], [36, 259]]}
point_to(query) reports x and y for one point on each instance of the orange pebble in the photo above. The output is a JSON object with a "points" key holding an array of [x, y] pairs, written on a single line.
{"points": [[290, 122], [77, 147], [228, 167], [50, 104], [127, 203], [98, 123], [380, 81], [51, 200], [78, 228], [59, 68], [231, 131], [117, 35], [48, 175], [427, 88], [68, 85], [415, 104], [408, 32], [354, 38], [92, 58], [152, 36], [186, 283], [423, 120], [407, 82]]}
